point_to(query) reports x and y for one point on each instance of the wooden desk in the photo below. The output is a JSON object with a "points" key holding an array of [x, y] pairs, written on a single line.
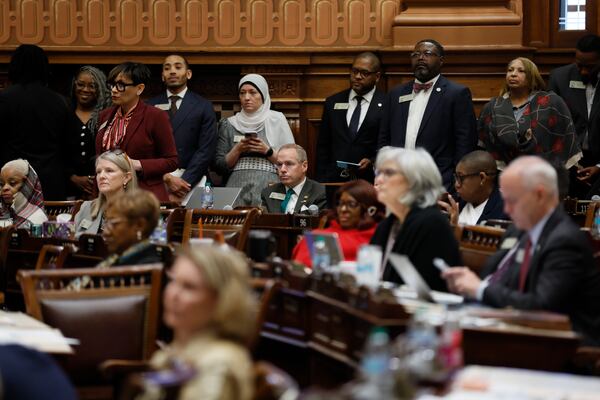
{"points": [[286, 228]]}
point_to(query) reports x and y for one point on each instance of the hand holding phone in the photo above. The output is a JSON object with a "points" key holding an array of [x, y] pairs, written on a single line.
{"points": [[250, 135], [440, 264]]}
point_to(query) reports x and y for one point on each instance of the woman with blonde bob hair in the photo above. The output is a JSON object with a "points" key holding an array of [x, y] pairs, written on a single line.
{"points": [[409, 184], [526, 120], [210, 306]]}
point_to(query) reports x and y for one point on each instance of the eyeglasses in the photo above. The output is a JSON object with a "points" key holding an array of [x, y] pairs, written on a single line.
{"points": [[112, 222], [348, 204], [425, 54], [120, 86], [82, 85], [459, 178], [386, 172], [363, 73]]}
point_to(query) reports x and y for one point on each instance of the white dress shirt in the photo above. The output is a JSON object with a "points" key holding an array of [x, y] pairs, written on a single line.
{"points": [[294, 198], [469, 215], [416, 110], [180, 94], [366, 102]]}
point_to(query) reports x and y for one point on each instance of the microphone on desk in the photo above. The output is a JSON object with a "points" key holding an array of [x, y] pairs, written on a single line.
{"points": [[227, 207], [595, 198], [313, 209]]}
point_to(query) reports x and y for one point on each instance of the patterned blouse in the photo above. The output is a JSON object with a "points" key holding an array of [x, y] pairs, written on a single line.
{"points": [[544, 128]]}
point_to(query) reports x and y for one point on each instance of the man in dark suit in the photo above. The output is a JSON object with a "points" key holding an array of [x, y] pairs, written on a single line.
{"points": [[350, 124], [36, 121], [194, 126], [295, 193], [576, 84], [430, 112], [545, 262]]}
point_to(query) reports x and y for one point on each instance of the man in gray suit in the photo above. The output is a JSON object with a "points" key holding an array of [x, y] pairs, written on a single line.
{"points": [[295, 193]]}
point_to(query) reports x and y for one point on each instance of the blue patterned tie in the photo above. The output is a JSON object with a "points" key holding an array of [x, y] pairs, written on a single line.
{"points": [[286, 200]]}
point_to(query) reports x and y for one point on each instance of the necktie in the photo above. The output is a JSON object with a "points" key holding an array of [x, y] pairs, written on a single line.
{"points": [[417, 87], [509, 262], [355, 116], [525, 265], [173, 109], [286, 200]]}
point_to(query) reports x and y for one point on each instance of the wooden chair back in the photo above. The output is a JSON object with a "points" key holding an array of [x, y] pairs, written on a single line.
{"points": [[53, 256], [578, 210], [54, 208], [498, 223], [114, 315], [234, 224], [590, 213], [477, 243]]}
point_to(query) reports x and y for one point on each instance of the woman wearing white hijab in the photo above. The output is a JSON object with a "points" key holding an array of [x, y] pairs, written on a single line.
{"points": [[248, 141]]}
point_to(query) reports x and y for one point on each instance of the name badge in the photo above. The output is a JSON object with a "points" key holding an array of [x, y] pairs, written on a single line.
{"points": [[164, 107], [103, 125], [508, 243], [303, 208], [86, 223], [277, 196], [520, 256], [341, 106], [406, 97], [237, 138], [576, 85]]}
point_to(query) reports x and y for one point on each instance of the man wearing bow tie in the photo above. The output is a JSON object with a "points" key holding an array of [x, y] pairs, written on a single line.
{"points": [[544, 262], [430, 112]]}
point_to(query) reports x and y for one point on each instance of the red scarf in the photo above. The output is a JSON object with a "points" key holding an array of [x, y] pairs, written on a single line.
{"points": [[116, 131]]}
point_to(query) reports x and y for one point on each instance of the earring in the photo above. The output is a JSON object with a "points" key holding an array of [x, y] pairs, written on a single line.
{"points": [[371, 211], [139, 235], [124, 185]]}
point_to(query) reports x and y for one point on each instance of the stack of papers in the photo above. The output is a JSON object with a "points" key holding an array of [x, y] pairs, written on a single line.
{"points": [[19, 328]]}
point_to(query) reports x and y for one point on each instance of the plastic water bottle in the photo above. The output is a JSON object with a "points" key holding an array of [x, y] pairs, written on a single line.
{"points": [[375, 367], [159, 235], [321, 259], [595, 231], [207, 197], [422, 360]]}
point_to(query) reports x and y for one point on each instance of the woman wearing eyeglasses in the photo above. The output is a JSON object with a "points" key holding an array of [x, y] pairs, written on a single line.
{"points": [[526, 120], [354, 219], [409, 183], [249, 140], [476, 183], [142, 131], [114, 175], [89, 96]]}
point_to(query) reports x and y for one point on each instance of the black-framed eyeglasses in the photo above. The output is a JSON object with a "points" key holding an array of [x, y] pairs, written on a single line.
{"points": [[120, 86], [425, 54], [348, 204], [363, 73], [459, 178]]}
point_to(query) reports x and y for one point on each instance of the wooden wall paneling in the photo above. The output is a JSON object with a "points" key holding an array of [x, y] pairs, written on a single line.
{"points": [[537, 23]]}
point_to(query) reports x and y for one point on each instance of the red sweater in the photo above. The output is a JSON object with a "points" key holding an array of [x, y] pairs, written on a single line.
{"points": [[350, 241]]}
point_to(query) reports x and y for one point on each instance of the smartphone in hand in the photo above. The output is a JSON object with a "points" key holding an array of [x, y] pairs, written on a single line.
{"points": [[250, 135]]}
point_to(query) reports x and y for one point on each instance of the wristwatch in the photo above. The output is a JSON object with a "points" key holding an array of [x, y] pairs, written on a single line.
{"points": [[269, 152]]}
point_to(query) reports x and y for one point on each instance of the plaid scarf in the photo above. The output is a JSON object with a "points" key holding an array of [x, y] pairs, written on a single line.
{"points": [[28, 200], [115, 133]]}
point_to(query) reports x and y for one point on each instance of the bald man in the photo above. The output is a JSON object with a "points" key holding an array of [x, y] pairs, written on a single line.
{"points": [[545, 262], [475, 181]]}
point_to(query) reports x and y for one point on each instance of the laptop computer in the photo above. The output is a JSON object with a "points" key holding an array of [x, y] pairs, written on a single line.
{"points": [[223, 197], [331, 240], [413, 279]]}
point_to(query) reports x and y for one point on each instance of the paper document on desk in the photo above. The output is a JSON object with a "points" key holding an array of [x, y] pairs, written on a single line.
{"points": [[19, 328]]}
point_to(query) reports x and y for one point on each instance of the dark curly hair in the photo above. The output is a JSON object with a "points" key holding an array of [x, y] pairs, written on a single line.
{"points": [[372, 211]]}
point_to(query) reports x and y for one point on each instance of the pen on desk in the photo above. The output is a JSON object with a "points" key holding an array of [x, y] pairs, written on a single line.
{"points": [[440, 264]]}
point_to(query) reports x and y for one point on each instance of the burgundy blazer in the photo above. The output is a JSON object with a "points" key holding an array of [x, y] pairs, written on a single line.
{"points": [[149, 139]]}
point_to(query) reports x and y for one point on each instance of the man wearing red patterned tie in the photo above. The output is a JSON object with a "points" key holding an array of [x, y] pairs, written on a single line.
{"points": [[545, 262], [430, 112]]}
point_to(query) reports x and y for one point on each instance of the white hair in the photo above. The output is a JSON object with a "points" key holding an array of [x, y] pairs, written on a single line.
{"points": [[419, 170], [19, 165], [534, 171]]}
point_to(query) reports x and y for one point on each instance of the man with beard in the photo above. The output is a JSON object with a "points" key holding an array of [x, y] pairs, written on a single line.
{"points": [[350, 124], [576, 84], [430, 112], [194, 126]]}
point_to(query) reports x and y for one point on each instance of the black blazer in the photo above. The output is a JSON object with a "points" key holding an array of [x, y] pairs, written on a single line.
{"points": [[312, 193], [560, 82], [494, 208], [195, 131], [563, 277], [448, 128], [335, 141], [425, 234]]}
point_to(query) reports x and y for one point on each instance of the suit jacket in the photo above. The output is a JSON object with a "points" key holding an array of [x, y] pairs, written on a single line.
{"points": [[312, 193], [560, 82], [448, 127], [424, 235], [149, 139], [335, 141], [36, 126], [563, 277], [195, 130], [84, 223], [494, 208]]}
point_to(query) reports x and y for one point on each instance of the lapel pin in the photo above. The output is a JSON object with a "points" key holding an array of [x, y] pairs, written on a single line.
{"points": [[379, 104], [438, 90]]}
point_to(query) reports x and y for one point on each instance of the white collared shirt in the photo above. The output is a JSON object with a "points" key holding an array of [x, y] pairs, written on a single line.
{"points": [[469, 215], [294, 198], [590, 92], [416, 110], [180, 94], [366, 102]]}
